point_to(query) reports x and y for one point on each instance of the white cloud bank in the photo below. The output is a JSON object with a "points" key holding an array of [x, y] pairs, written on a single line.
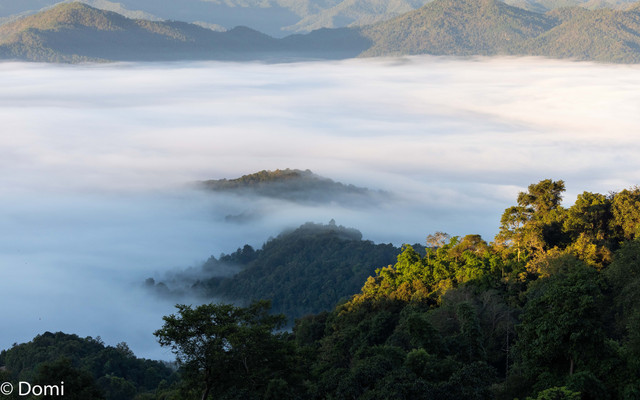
{"points": [[94, 162]]}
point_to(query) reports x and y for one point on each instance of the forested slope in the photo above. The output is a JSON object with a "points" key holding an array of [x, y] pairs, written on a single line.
{"points": [[548, 310], [301, 271], [87, 367]]}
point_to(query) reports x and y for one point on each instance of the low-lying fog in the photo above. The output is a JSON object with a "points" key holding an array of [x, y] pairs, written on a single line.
{"points": [[97, 161]]}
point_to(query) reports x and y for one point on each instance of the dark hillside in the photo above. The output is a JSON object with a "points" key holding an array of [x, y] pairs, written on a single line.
{"points": [[303, 271], [89, 368]]}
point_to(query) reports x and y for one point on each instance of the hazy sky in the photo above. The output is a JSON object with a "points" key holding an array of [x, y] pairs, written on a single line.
{"points": [[96, 163]]}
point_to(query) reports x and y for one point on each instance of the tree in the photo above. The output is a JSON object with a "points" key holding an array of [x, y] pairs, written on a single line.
{"points": [[542, 197], [626, 213], [535, 224], [436, 241], [557, 393], [223, 348], [589, 216], [561, 329], [78, 384], [587, 224]]}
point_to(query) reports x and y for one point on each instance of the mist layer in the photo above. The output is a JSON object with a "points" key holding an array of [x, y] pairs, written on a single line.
{"points": [[97, 164]]}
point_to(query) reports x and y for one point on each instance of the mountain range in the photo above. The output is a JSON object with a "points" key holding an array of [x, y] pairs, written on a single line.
{"points": [[276, 18], [76, 32]]}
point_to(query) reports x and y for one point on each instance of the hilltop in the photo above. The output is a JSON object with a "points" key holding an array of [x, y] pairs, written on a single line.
{"points": [[303, 270], [296, 186], [457, 27]]}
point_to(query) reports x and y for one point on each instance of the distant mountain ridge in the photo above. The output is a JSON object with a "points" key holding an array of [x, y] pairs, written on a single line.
{"points": [[75, 32], [491, 27], [275, 17]]}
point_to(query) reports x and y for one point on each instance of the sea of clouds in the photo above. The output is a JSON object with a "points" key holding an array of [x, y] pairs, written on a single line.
{"points": [[97, 164]]}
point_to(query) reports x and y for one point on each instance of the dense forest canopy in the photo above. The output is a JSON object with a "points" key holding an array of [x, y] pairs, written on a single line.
{"points": [[548, 310], [301, 271]]}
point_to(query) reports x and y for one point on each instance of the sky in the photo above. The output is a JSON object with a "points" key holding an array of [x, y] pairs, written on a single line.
{"points": [[98, 165]]}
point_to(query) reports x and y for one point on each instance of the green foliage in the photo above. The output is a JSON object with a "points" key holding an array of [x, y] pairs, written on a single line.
{"points": [[228, 351], [626, 213], [624, 277], [78, 384], [464, 320], [557, 393], [296, 186], [562, 330], [87, 364], [534, 225], [426, 279], [307, 270]]}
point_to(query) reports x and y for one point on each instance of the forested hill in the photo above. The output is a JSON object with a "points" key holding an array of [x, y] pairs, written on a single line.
{"points": [[549, 310], [302, 271], [89, 369], [457, 27], [297, 186], [491, 27], [76, 32], [603, 35]]}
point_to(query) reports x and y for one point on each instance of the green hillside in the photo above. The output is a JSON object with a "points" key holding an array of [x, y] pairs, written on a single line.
{"points": [[549, 310], [303, 271], [457, 27], [490, 27], [599, 35], [89, 369], [74, 32]]}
